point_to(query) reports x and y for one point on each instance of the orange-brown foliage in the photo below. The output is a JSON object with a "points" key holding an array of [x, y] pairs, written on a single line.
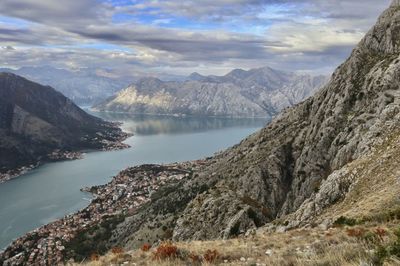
{"points": [[355, 232], [146, 247], [211, 255], [117, 250], [195, 258], [165, 251], [380, 232], [94, 257]]}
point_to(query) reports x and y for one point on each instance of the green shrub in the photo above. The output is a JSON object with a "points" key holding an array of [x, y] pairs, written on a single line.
{"points": [[394, 248], [93, 239], [371, 238], [383, 252], [380, 255], [341, 221]]}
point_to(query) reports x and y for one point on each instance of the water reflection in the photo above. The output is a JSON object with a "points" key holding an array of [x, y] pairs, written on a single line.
{"points": [[158, 124]]}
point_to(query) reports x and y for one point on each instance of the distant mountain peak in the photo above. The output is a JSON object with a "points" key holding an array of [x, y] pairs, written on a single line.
{"points": [[151, 82], [196, 77], [238, 74]]}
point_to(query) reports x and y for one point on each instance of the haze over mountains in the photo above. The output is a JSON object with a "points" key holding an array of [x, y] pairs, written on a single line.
{"points": [[261, 92], [83, 86]]}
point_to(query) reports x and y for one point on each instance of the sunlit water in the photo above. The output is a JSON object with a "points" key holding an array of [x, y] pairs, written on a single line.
{"points": [[53, 190]]}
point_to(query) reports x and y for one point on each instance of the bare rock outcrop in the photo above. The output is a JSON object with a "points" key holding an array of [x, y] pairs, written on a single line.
{"points": [[259, 92]]}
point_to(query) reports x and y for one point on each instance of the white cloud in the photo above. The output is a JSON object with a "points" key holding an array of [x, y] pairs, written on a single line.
{"points": [[287, 34]]}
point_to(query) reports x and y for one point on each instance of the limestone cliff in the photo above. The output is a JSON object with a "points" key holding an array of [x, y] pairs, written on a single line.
{"points": [[259, 92]]}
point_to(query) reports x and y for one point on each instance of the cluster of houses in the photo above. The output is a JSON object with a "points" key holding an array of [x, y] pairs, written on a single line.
{"points": [[123, 195]]}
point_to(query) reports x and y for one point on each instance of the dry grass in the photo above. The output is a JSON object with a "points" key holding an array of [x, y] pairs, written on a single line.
{"points": [[378, 183], [308, 247]]}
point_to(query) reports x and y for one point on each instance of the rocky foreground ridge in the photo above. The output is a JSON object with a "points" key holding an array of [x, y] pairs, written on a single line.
{"points": [[39, 124], [262, 92], [332, 160]]}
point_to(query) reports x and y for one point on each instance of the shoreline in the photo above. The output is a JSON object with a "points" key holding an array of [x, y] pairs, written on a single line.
{"points": [[14, 173], [184, 115], [58, 155], [122, 196]]}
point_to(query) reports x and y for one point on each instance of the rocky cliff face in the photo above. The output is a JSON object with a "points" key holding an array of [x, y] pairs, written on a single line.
{"points": [[286, 166], [36, 120], [258, 92]]}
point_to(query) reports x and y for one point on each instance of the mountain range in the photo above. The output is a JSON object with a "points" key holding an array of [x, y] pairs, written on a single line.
{"points": [[261, 92]]}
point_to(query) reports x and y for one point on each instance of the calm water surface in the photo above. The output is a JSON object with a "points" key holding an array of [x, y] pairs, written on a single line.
{"points": [[52, 191]]}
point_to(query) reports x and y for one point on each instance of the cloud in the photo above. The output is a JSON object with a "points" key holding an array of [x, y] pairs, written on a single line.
{"points": [[183, 36], [54, 13]]}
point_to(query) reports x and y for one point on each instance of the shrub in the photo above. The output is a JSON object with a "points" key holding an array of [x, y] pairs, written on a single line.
{"points": [[165, 251], [371, 238], [341, 221], [117, 250], [196, 259], [380, 232], [211, 256], [382, 252], [380, 255], [355, 232], [146, 247], [92, 239], [94, 257], [394, 248]]}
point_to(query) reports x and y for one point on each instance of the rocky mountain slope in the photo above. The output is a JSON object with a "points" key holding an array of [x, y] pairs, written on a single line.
{"points": [[330, 160], [83, 87], [351, 219], [280, 169], [255, 93], [38, 124]]}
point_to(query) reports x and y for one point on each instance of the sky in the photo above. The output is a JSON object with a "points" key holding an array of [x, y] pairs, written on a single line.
{"points": [[127, 37]]}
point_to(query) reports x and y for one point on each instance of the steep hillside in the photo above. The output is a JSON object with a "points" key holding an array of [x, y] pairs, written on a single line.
{"points": [[331, 160], [272, 173], [256, 93], [39, 124], [361, 201]]}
